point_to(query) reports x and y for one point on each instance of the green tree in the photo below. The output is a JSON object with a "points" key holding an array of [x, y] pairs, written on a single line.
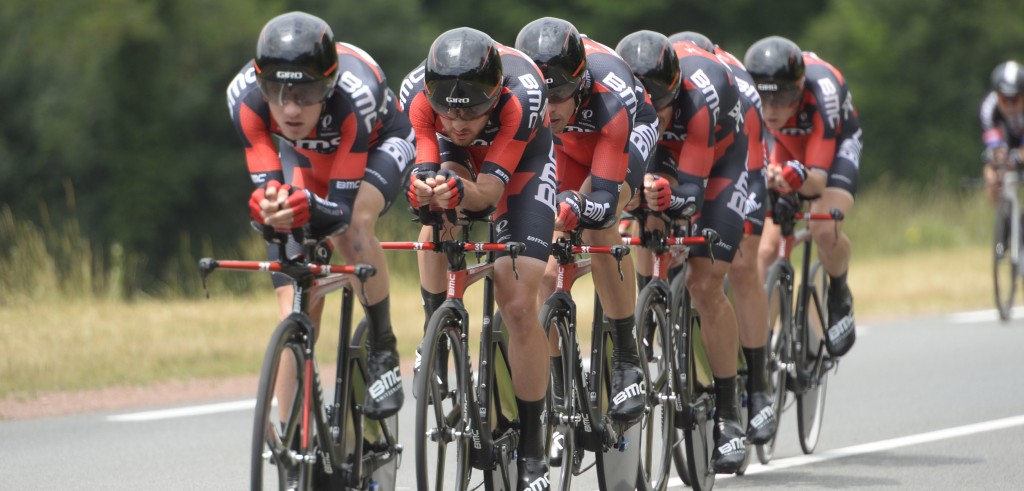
{"points": [[918, 71]]}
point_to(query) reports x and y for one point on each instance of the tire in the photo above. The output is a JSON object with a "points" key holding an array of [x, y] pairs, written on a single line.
{"points": [[743, 397], [652, 323], [697, 400], [277, 443], [442, 458], [556, 315], [1004, 269], [617, 468], [810, 402], [374, 432], [780, 355]]}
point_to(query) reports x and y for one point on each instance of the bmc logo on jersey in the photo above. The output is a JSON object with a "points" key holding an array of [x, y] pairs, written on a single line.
{"points": [[457, 100], [290, 75]]}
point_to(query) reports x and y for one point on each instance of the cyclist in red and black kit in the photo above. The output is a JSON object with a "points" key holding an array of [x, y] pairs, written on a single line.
{"points": [[744, 275], [604, 133], [483, 143], [700, 165], [809, 109], [326, 147], [1002, 124]]}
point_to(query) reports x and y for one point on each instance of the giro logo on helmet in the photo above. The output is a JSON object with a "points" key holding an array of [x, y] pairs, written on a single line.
{"points": [[768, 87], [457, 100], [289, 75]]}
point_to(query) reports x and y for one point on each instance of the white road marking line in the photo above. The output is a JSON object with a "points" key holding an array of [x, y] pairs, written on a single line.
{"points": [[879, 446], [182, 412], [984, 316]]}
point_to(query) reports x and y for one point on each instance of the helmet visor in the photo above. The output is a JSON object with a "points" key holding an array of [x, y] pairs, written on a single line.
{"points": [[303, 94], [662, 101], [563, 92], [464, 113], [776, 94]]}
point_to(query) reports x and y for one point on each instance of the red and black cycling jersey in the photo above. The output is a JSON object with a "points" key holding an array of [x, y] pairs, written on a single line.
{"points": [[998, 129], [751, 100], [521, 109], [359, 113], [825, 117], [614, 113], [756, 133], [708, 114]]}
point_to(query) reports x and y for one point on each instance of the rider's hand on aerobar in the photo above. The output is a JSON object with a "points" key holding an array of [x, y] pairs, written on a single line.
{"points": [[570, 207], [784, 207]]}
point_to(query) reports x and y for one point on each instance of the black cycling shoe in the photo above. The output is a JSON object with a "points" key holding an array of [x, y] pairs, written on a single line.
{"points": [[841, 329], [533, 474], [762, 424], [384, 394], [629, 396], [730, 447]]}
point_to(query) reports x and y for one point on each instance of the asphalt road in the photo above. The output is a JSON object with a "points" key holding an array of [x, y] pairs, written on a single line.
{"points": [[926, 403]]}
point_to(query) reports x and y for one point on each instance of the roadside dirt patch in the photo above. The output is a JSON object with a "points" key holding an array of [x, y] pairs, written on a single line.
{"points": [[163, 393]]}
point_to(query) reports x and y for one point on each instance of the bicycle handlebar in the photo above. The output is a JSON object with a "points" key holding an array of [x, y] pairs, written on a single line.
{"points": [[293, 268]]}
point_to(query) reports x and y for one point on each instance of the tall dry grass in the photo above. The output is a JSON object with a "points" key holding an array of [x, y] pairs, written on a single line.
{"points": [[64, 323]]}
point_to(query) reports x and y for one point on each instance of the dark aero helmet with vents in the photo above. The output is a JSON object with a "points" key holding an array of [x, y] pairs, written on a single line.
{"points": [[654, 62], [557, 48], [777, 66], [296, 60], [463, 76]]}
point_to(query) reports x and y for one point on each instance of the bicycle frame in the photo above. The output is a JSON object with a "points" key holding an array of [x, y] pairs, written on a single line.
{"points": [[494, 382], [571, 269], [790, 239], [312, 282]]}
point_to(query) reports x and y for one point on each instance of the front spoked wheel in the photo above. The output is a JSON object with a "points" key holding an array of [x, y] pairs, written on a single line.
{"points": [[442, 443], [660, 434], [562, 402], [698, 403], [812, 363], [1004, 267], [281, 444], [780, 357]]}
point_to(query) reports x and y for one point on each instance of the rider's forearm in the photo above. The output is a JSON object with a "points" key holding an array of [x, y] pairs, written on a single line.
{"points": [[483, 193]]}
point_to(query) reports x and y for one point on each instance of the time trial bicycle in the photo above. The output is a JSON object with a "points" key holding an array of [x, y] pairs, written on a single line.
{"points": [[798, 362], [302, 440]]}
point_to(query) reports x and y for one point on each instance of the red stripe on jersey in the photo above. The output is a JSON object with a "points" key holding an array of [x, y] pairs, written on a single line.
{"points": [[261, 154]]}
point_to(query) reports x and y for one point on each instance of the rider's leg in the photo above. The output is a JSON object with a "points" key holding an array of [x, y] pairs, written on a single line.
{"points": [[834, 253], [516, 299], [359, 245], [751, 305]]}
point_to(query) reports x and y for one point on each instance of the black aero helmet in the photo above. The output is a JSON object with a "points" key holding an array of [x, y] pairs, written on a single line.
{"points": [[463, 76], [654, 62], [1008, 79], [296, 59], [557, 48], [697, 38], [777, 66]]}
